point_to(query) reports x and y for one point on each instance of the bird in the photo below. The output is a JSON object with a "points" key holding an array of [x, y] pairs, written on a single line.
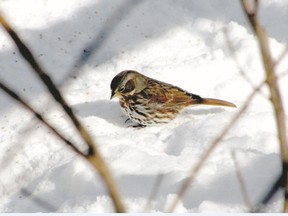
{"points": [[147, 101]]}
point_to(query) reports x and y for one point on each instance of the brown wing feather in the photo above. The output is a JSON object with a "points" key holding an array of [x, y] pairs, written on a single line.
{"points": [[167, 94], [179, 96]]}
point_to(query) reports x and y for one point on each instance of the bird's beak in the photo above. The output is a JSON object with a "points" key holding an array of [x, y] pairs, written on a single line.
{"points": [[114, 94]]}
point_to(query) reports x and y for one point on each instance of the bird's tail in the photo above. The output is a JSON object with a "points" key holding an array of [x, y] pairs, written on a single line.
{"points": [[216, 102]]}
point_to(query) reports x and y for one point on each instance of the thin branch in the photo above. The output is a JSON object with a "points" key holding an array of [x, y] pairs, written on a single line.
{"points": [[242, 184], [281, 57], [283, 74], [154, 192], [93, 155], [235, 59], [272, 83], [248, 7], [16, 97]]}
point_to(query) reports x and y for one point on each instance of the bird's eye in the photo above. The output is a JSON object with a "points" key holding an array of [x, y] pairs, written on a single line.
{"points": [[129, 86]]}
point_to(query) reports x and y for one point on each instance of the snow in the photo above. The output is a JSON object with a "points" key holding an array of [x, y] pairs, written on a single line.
{"points": [[179, 42]]}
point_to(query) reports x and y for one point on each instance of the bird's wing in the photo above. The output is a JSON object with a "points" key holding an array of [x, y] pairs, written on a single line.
{"points": [[161, 92]]}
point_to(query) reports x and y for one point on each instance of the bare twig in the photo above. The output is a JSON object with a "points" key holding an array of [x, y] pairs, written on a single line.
{"points": [[196, 169], [272, 83], [281, 57], [235, 59], [283, 74], [93, 155], [272, 191], [16, 97], [242, 184], [154, 192]]}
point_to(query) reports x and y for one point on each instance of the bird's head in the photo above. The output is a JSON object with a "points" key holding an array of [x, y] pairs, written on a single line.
{"points": [[127, 83]]}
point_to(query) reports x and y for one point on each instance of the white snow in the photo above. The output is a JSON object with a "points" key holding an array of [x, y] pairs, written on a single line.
{"points": [[179, 42]]}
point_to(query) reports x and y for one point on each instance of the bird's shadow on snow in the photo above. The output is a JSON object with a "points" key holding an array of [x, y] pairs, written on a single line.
{"points": [[109, 111], [203, 111]]}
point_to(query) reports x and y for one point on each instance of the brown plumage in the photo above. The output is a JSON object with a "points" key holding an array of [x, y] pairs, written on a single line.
{"points": [[148, 101]]}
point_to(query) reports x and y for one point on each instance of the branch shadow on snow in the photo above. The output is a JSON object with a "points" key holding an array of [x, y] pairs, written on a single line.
{"points": [[58, 46], [63, 187]]}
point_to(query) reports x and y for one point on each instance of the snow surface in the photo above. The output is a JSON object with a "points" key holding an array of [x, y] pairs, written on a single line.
{"points": [[180, 42]]}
